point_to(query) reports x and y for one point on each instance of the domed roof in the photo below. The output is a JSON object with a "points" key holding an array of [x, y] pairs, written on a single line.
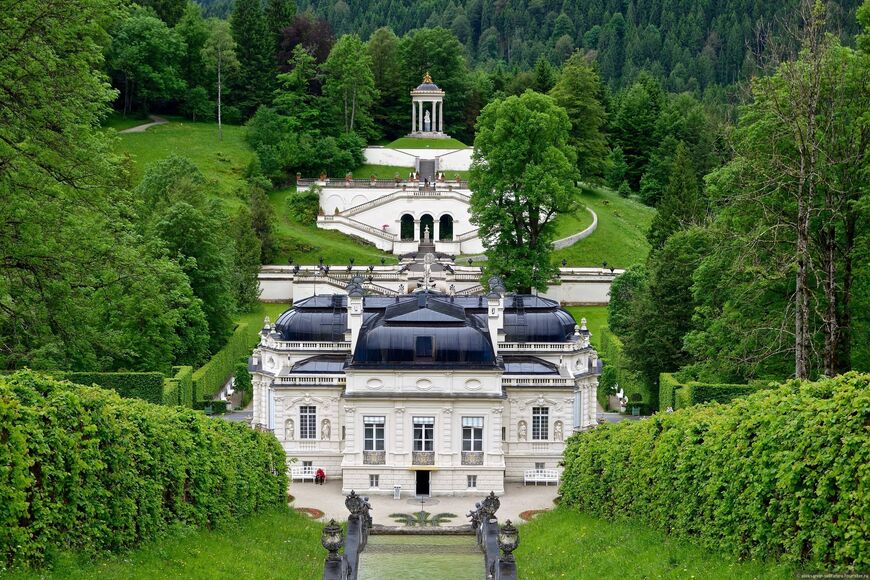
{"points": [[524, 324], [316, 322], [427, 84]]}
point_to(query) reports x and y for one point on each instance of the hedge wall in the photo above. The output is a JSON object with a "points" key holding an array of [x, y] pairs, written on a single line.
{"points": [[83, 469], [782, 473], [178, 389], [673, 393], [145, 386], [209, 378]]}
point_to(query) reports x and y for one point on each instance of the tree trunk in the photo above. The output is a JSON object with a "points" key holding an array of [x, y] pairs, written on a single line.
{"points": [[220, 125]]}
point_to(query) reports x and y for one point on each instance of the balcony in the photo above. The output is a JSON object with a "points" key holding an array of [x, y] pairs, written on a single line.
{"points": [[423, 458], [374, 457], [472, 458]]}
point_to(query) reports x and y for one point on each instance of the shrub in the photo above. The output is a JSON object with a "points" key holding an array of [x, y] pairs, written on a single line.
{"points": [[217, 407], [782, 473], [178, 389], [86, 470], [305, 205], [210, 377], [667, 387]]}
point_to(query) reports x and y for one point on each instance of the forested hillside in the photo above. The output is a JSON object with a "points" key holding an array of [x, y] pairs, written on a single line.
{"points": [[688, 44]]}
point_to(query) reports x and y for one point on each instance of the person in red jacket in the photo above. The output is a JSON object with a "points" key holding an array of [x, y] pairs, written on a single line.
{"points": [[319, 476]]}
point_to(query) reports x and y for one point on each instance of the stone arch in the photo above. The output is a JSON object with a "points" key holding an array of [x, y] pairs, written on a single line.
{"points": [[445, 225], [427, 220], [406, 228]]}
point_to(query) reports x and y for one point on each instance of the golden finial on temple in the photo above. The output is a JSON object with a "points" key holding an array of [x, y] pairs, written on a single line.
{"points": [[427, 78]]}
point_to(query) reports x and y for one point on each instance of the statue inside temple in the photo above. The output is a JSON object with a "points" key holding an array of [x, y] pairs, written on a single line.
{"points": [[427, 122]]}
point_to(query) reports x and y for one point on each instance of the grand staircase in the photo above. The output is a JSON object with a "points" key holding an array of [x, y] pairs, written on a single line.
{"points": [[423, 556]]}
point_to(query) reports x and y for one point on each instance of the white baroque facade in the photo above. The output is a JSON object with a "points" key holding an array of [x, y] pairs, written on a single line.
{"points": [[437, 394]]}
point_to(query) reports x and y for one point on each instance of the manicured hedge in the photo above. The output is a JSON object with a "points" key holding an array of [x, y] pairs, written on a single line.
{"points": [[673, 393], [782, 473], [217, 406], [209, 378], [83, 469], [178, 389], [145, 386]]}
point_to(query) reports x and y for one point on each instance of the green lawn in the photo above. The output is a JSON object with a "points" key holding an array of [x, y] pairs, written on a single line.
{"points": [[254, 318], [306, 243], [567, 544], [619, 240], [567, 224], [119, 122], [280, 544], [421, 143], [596, 319], [221, 162]]}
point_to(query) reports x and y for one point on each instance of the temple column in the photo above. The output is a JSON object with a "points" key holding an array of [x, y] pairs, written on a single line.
{"points": [[413, 116], [416, 230], [421, 116], [441, 116], [436, 226]]}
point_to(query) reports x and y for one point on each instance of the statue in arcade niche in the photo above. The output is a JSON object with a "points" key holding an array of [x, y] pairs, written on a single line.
{"points": [[557, 431], [288, 430], [522, 431], [325, 430]]}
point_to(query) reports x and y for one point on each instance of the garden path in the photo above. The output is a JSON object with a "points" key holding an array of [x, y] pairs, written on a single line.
{"points": [[155, 120]]}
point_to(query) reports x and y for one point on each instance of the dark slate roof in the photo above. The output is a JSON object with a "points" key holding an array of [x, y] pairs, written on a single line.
{"points": [[424, 331], [528, 365], [526, 318], [427, 87], [322, 364]]}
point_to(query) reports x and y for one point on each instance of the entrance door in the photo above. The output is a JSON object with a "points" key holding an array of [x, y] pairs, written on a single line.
{"points": [[422, 483]]}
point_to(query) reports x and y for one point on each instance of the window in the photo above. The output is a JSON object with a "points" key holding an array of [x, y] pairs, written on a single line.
{"points": [[308, 422], [423, 348], [472, 482], [373, 434], [540, 423], [504, 434], [307, 464], [374, 480], [539, 465], [424, 433], [472, 433]]}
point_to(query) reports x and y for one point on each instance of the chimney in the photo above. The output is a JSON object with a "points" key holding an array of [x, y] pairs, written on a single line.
{"points": [[495, 310]]}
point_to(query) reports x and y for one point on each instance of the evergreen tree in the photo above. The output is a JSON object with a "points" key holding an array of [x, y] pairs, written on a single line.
{"points": [[246, 262], [279, 14], [633, 129], [254, 53], [681, 205], [194, 32], [389, 110], [545, 76], [616, 168]]}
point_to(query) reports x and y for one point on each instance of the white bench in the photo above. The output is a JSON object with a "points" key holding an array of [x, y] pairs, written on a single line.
{"points": [[541, 476], [302, 472]]}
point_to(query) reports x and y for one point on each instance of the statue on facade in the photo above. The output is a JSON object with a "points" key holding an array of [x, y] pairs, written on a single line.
{"points": [[289, 432], [522, 431], [427, 123], [325, 430], [558, 435]]}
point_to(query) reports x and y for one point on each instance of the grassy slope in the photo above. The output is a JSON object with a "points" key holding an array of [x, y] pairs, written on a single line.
{"points": [[309, 243], [280, 544], [596, 319], [568, 544], [567, 224], [620, 239], [222, 162], [419, 143], [255, 317]]}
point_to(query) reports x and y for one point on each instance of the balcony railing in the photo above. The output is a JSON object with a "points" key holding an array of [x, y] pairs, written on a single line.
{"points": [[374, 457], [472, 458], [423, 458]]}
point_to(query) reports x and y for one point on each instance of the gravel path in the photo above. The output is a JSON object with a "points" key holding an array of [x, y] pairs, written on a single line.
{"points": [[155, 120]]}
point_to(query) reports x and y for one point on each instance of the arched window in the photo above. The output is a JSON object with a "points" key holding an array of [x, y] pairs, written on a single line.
{"points": [[407, 229], [446, 228], [427, 221]]}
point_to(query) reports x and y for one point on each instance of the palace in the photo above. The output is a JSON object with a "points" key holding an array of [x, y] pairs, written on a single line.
{"points": [[432, 392]]}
